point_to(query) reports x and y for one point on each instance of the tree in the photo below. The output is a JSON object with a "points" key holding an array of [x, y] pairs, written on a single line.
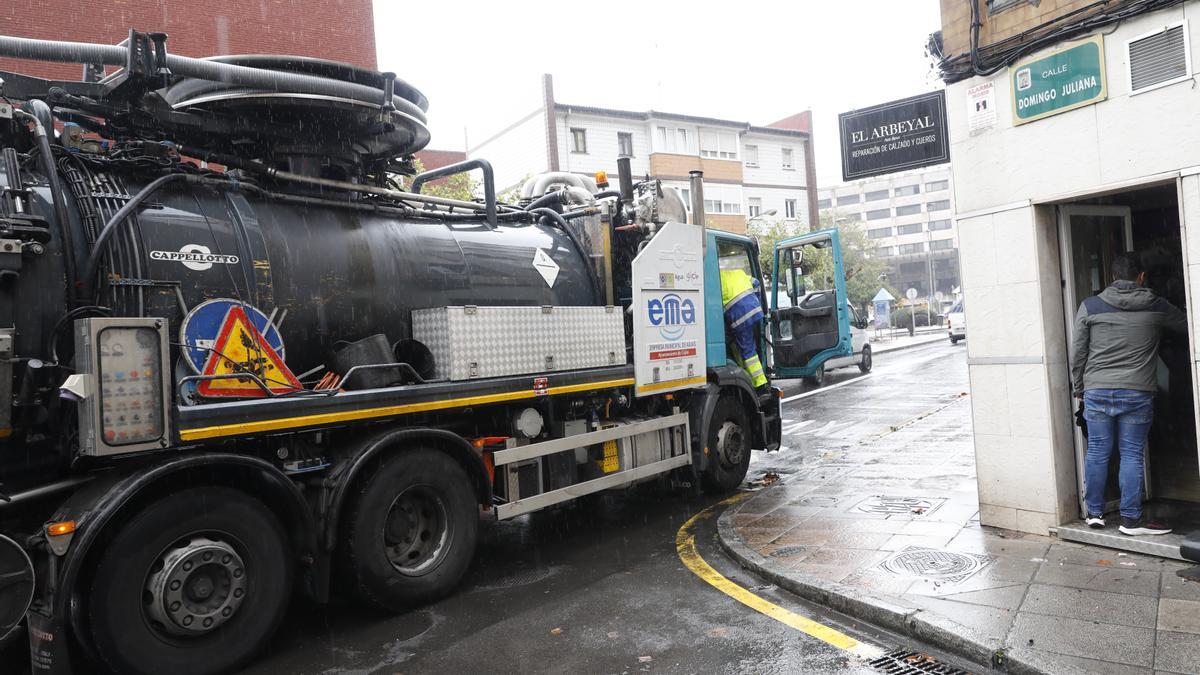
{"points": [[460, 186], [861, 266]]}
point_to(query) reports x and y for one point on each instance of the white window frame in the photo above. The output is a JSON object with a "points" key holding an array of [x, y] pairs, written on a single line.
{"points": [[754, 206], [787, 159], [1187, 53], [746, 153], [575, 145], [720, 152], [790, 209], [629, 135], [681, 138]]}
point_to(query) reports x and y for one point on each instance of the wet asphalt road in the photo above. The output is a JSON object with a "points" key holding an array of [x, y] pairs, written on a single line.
{"points": [[602, 590]]}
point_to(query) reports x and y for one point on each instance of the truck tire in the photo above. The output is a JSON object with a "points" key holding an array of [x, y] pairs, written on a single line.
{"points": [[411, 533], [865, 363], [728, 441], [194, 583]]}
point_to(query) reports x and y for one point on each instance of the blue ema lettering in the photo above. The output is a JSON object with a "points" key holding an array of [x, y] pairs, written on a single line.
{"points": [[671, 315]]}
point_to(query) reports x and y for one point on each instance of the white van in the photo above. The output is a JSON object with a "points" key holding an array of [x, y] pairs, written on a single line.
{"points": [[957, 318]]}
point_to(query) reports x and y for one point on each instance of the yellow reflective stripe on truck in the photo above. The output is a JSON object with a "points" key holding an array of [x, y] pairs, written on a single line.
{"points": [[657, 386], [242, 428]]}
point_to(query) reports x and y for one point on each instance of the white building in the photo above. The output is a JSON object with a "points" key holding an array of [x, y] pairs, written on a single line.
{"points": [[1049, 188], [909, 217], [748, 170]]}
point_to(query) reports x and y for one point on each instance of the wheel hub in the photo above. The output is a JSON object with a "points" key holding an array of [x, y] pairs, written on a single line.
{"points": [[731, 443], [416, 532], [196, 586]]}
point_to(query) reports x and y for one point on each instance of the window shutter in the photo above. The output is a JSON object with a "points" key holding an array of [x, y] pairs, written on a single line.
{"points": [[1158, 58]]}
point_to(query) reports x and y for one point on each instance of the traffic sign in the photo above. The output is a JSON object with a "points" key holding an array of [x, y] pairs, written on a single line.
{"points": [[911, 294], [240, 348], [200, 328]]}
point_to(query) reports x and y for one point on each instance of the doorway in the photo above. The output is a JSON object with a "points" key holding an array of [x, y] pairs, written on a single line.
{"points": [[1092, 233]]}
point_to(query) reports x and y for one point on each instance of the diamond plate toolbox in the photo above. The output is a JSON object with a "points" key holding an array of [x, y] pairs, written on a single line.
{"points": [[472, 342]]}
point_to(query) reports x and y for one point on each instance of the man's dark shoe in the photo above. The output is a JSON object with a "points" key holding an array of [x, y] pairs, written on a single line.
{"points": [[1143, 525], [1095, 522]]}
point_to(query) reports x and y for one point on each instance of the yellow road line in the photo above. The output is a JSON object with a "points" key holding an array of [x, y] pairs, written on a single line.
{"points": [[685, 545]]}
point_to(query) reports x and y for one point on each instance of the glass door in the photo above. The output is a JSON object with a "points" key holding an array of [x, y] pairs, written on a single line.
{"points": [[1090, 238]]}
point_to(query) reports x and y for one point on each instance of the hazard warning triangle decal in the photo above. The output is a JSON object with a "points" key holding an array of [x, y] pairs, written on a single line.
{"points": [[240, 348]]}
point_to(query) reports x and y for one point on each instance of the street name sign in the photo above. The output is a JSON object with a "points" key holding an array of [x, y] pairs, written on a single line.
{"points": [[895, 136], [1068, 79]]}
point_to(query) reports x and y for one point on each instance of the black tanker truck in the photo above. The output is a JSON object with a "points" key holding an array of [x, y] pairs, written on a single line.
{"points": [[244, 354]]}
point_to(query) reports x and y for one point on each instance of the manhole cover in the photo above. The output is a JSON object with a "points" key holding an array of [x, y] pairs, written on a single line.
{"points": [[908, 662], [820, 500], [932, 563], [521, 577], [894, 505]]}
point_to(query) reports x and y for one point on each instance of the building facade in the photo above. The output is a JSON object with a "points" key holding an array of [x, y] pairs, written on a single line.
{"points": [[909, 217], [1075, 137], [748, 170], [338, 30]]}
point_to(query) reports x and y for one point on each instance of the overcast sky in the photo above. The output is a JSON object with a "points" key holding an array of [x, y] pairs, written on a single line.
{"points": [[480, 63]]}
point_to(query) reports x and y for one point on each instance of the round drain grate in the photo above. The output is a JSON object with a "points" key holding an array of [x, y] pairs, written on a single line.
{"points": [[926, 562], [819, 500]]}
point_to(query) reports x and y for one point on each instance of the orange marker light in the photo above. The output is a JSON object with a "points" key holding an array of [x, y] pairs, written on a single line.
{"points": [[59, 529], [602, 179]]}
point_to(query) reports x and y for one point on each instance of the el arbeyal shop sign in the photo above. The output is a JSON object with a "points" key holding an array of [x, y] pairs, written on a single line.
{"points": [[895, 136], [1070, 78]]}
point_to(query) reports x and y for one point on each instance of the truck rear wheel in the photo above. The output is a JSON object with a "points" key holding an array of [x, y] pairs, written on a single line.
{"points": [[194, 583], [412, 530], [728, 442]]}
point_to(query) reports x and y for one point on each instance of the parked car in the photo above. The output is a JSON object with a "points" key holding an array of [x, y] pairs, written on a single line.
{"points": [[958, 322]]}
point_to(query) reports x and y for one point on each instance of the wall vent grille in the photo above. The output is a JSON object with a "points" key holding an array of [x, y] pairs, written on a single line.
{"points": [[1159, 59]]}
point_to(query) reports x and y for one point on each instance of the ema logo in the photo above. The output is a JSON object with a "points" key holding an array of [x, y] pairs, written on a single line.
{"points": [[671, 314]]}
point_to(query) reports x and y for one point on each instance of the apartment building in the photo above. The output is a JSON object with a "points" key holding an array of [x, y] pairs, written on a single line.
{"points": [[748, 170], [1073, 128], [909, 217]]}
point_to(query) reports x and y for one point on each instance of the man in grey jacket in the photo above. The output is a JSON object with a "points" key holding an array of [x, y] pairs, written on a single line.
{"points": [[1114, 371]]}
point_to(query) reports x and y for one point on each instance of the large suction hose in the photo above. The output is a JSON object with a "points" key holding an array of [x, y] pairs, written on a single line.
{"points": [[273, 80]]}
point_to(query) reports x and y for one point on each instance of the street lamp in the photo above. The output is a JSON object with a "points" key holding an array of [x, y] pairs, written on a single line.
{"points": [[764, 214]]}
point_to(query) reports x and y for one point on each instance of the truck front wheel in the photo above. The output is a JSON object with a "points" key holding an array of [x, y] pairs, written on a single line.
{"points": [[194, 583], [728, 444], [411, 533]]}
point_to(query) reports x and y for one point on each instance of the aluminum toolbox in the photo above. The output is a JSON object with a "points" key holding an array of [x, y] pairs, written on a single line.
{"points": [[471, 342]]}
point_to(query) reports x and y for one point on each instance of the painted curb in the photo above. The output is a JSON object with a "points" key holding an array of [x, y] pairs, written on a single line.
{"points": [[881, 611]]}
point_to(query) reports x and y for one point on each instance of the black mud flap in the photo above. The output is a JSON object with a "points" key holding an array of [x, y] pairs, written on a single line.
{"points": [[48, 651], [771, 413]]}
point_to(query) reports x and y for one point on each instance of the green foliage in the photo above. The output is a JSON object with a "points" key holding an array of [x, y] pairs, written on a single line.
{"points": [[903, 317], [861, 266], [461, 186]]}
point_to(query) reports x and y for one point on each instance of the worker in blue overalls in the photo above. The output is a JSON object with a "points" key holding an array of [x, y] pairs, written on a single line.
{"points": [[743, 313]]}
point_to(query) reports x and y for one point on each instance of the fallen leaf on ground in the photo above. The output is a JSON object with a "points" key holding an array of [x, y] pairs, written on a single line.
{"points": [[645, 659], [556, 631], [716, 632], [613, 635]]}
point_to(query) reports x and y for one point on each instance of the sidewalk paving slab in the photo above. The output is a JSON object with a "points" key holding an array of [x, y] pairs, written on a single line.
{"points": [[867, 532]]}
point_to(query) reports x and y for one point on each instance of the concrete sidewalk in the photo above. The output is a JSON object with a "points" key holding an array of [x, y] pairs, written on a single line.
{"points": [[923, 337], [888, 531]]}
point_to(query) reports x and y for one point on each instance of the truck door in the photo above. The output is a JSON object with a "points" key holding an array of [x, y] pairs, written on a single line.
{"points": [[810, 317]]}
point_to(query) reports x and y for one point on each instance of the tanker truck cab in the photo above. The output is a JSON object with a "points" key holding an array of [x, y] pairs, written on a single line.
{"points": [[810, 314]]}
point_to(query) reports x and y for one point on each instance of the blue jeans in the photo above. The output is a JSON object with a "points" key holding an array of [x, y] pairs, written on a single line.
{"points": [[1124, 415]]}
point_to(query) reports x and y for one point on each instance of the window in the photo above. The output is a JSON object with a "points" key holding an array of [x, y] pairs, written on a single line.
{"points": [[578, 140], [879, 214], [788, 161], [909, 229], [672, 140], [879, 232], [718, 144], [877, 195], [1001, 5], [940, 205], [883, 251], [911, 248], [754, 206], [824, 203], [1159, 58], [718, 206], [937, 185], [935, 225], [848, 199], [906, 190], [687, 198], [789, 208], [681, 140], [751, 155], [908, 209], [624, 144], [941, 244]]}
